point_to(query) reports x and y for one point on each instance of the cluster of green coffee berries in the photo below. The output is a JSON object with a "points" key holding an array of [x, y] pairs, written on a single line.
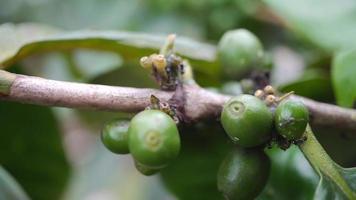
{"points": [[151, 137], [253, 122]]}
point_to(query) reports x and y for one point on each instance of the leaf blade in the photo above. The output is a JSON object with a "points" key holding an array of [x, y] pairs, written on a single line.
{"points": [[20, 41], [332, 31], [9, 188], [343, 77], [32, 151]]}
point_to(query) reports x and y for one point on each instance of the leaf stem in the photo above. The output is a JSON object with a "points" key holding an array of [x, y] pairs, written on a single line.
{"points": [[168, 46], [322, 163]]}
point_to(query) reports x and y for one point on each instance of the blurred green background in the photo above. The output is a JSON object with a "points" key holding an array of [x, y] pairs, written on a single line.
{"points": [[56, 153]]}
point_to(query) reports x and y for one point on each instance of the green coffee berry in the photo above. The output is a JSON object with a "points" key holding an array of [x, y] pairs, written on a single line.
{"points": [[243, 174], [291, 119], [239, 51], [114, 136], [153, 138], [145, 170], [247, 120]]}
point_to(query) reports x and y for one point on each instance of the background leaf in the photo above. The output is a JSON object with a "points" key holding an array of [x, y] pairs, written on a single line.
{"points": [[289, 170], [343, 77], [335, 182], [193, 175], [31, 149], [19, 41], [9, 188], [329, 24], [315, 84], [327, 188]]}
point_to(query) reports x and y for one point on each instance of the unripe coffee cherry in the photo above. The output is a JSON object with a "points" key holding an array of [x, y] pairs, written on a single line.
{"points": [[114, 136], [238, 51], [144, 170], [243, 174], [247, 120], [153, 138], [291, 119]]}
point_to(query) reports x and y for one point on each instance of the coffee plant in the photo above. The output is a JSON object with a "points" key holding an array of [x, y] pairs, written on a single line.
{"points": [[265, 113]]}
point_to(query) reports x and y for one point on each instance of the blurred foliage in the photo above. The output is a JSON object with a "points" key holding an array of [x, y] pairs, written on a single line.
{"points": [[19, 41], [316, 30], [343, 76], [203, 148], [31, 150], [339, 144], [195, 18], [289, 170], [335, 182], [329, 24], [9, 188], [314, 83]]}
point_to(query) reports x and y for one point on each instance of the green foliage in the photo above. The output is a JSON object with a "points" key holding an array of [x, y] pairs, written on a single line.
{"points": [[314, 83], [328, 187], [32, 150], [339, 144], [330, 25], [343, 77], [289, 170], [335, 182], [192, 175], [131, 46], [9, 188]]}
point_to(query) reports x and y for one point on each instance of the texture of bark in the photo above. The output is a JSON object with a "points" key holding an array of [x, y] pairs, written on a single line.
{"points": [[199, 103]]}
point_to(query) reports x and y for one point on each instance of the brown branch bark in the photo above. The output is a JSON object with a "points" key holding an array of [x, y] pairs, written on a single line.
{"points": [[200, 103]]}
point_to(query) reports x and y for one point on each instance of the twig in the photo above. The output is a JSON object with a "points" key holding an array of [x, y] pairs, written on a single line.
{"points": [[27, 89], [200, 103]]}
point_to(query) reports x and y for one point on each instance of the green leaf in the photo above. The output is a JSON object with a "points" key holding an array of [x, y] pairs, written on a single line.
{"points": [[193, 175], [31, 149], [77, 65], [343, 77], [23, 40], [314, 83], [328, 189], [335, 182], [289, 170], [339, 144], [329, 24], [9, 188]]}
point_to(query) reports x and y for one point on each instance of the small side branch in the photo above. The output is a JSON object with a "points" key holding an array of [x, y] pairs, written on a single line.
{"points": [[33, 90], [199, 104]]}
